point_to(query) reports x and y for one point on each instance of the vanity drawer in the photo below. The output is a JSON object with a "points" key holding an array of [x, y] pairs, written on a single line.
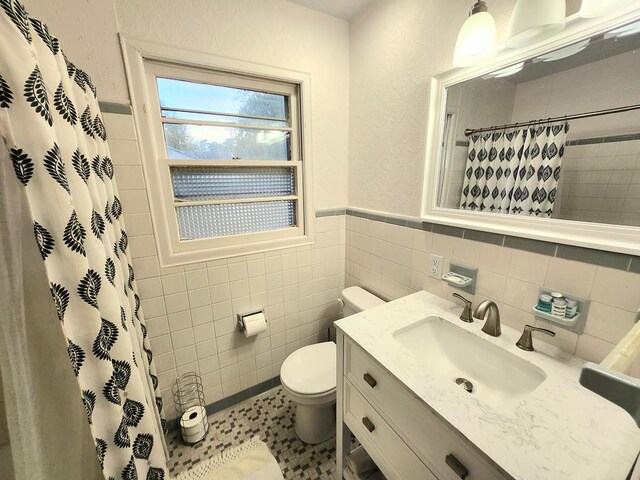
{"points": [[391, 454], [434, 441]]}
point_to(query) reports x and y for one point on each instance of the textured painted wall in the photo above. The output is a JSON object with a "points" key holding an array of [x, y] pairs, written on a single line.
{"points": [[396, 47], [88, 33], [271, 32]]}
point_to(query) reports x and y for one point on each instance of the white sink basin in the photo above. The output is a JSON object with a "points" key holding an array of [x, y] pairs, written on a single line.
{"points": [[497, 375]]}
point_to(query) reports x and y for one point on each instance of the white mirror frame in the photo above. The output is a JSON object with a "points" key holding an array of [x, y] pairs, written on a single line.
{"points": [[615, 238]]}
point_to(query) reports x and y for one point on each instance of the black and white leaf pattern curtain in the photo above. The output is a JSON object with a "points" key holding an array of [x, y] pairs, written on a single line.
{"points": [[515, 171], [52, 128]]}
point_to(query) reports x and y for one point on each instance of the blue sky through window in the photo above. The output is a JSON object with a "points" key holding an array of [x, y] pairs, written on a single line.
{"points": [[180, 94]]}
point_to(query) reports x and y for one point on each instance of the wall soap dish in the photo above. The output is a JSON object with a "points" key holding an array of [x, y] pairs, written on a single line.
{"points": [[574, 324], [462, 277], [457, 280]]}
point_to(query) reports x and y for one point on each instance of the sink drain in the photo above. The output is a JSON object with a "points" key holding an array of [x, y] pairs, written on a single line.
{"points": [[465, 384]]}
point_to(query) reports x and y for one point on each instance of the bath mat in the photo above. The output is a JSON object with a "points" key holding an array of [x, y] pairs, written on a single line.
{"points": [[249, 461]]}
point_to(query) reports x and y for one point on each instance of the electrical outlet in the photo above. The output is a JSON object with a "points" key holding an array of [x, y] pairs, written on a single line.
{"points": [[435, 266]]}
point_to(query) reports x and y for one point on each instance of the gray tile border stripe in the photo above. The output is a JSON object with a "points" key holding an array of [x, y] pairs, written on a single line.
{"points": [[618, 261], [377, 218], [232, 400], [331, 212], [609, 139], [111, 107], [396, 221], [447, 230], [529, 245], [415, 224], [484, 237]]}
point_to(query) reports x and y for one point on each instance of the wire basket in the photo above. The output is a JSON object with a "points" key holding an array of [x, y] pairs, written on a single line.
{"points": [[188, 396]]}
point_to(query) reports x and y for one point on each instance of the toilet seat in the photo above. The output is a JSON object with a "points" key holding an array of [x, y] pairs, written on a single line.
{"points": [[310, 371]]}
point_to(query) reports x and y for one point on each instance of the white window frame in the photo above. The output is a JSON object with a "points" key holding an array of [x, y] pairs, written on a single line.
{"points": [[144, 61]]}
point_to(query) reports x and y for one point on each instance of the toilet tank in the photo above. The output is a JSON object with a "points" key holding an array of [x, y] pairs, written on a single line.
{"points": [[357, 299]]}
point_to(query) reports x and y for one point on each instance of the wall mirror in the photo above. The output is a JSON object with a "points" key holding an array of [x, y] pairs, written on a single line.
{"points": [[543, 143]]}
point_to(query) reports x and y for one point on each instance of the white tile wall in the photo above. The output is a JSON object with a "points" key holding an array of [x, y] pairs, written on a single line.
{"points": [[190, 310], [601, 182], [392, 261]]}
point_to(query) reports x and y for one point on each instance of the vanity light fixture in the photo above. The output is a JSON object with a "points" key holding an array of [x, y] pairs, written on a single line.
{"points": [[535, 20], [477, 40], [563, 52], [598, 8]]}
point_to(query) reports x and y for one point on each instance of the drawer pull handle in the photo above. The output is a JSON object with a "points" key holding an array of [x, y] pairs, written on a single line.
{"points": [[368, 424], [457, 466], [370, 380]]}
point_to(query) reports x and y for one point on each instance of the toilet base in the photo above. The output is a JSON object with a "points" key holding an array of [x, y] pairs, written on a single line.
{"points": [[315, 424]]}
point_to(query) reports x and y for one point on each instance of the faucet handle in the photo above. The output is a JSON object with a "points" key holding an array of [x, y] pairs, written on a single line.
{"points": [[526, 340], [465, 316]]}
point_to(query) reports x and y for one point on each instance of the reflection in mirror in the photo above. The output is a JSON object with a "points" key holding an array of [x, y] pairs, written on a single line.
{"points": [[557, 136]]}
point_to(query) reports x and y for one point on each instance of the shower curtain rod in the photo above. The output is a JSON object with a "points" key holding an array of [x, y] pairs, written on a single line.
{"points": [[595, 113]]}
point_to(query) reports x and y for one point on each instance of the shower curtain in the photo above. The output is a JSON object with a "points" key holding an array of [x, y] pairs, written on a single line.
{"points": [[54, 135], [39, 389], [514, 172]]}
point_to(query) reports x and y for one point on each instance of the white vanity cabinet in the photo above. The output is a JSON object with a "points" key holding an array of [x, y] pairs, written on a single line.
{"points": [[405, 438]]}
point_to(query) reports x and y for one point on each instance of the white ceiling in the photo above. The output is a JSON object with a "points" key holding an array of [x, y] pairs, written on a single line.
{"points": [[345, 9]]}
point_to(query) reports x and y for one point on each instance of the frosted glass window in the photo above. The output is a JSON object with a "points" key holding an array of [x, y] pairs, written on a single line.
{"points": [[206, 221], [210, 183]]}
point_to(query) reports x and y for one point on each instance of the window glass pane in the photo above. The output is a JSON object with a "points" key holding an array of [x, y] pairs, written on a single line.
{"points": [[224, 118], [207, 142], [208, 183], [207, 221], [187, 95]]}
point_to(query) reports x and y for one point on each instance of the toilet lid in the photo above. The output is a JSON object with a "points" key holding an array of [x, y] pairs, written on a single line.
{"points": [[310, 370]]}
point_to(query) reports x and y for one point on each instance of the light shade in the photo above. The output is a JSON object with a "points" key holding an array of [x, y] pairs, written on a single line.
{"points": [[598, 8], [477, 40], [534, 20], [563, 52]]}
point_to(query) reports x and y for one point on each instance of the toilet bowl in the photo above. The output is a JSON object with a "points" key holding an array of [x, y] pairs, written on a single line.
{"points": [[308, 377]]}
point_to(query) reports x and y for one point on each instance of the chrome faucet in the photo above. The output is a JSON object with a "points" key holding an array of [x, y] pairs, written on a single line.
{"points": [[526, 341], [465, 316], [488, 310]]}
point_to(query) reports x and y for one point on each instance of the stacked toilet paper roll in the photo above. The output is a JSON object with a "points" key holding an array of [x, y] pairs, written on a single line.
{"points": [[254, 324], [194, 424]]}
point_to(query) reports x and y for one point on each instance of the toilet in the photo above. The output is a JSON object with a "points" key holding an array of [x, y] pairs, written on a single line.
{"points": [[308, 376]]}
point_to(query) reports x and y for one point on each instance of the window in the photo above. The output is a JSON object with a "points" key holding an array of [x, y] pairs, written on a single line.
{"points": [[227, 149]]}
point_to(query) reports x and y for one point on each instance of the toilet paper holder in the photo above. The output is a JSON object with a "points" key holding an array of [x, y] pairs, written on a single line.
{"points": [[242, 316]]}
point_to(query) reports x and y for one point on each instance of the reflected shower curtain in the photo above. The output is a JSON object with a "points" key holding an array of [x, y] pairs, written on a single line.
{"points": [[514, 172], [53, 132]]}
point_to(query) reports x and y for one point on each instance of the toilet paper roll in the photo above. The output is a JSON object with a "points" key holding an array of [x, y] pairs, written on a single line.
{"points": [[193, 417], [254, 324], [194, 424], [194, 438]]}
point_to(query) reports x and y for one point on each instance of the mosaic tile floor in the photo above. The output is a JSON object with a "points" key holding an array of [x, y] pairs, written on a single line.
{"points": [[271, 416]]}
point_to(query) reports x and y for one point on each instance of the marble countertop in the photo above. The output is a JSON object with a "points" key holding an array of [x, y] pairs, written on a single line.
{"points": [[559, 431]]}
